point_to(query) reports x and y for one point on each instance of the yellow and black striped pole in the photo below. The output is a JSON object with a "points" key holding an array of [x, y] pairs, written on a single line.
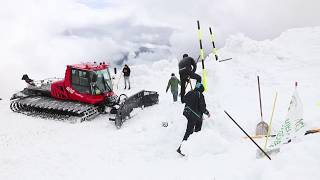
{"points": [[204, 73], [214, 51]]}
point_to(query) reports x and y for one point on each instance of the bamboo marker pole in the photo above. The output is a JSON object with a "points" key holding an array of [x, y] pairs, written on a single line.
{"points": [[269, 129]]}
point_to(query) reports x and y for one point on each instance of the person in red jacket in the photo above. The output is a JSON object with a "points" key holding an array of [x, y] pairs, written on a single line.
{"points": [[126, 75]]}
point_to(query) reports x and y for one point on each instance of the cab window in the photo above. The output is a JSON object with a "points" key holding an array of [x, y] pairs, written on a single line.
{"points": [[80, 80]]}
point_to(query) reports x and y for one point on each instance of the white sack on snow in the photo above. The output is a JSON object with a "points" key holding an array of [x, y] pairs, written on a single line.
{"points": [[293, 125]]}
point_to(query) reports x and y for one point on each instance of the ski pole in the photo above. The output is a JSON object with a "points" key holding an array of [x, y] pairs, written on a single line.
{"points": [[198, 58], [214, 51], [189, 82], [248, 135]]}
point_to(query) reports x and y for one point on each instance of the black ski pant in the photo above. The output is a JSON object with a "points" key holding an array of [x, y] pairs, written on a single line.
{"points": [[184, 78], [193, 125]]}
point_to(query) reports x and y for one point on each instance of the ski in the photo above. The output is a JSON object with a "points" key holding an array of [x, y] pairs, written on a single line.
{"points": [[259, 136], [311, 131], [228, 59]]}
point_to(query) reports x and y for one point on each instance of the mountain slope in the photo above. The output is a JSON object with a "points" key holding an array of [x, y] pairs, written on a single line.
{"points": [[33, 148]]}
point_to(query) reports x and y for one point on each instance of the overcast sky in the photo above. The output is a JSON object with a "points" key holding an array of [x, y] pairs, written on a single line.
{"points": [[44, 36]]}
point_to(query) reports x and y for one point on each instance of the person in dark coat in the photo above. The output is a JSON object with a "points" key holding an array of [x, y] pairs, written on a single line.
{"points": [[126, 75], [174, 83], [194, 109], [187, 69]]}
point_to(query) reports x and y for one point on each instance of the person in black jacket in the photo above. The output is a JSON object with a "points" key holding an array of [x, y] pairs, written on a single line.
{"points": [[187, 69], [126, 75], [194, 109]]}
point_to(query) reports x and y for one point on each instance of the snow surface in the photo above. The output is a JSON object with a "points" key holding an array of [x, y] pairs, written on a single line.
{"points": [[34, 148]]}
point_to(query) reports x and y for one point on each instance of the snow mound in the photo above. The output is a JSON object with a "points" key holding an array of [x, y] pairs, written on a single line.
{"points": [[203, 143]]}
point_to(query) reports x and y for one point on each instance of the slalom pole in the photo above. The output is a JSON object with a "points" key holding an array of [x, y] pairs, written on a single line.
{"points": [[204, 72], [214, 51], [248, 135], [269, 129]]}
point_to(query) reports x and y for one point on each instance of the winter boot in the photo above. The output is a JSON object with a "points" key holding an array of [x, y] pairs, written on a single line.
{"points": [[179, 151]]}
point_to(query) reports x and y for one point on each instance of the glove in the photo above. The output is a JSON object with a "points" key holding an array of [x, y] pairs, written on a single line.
{"points": [[208, 115]]}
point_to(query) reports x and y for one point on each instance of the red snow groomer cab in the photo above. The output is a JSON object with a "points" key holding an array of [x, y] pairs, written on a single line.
{"points": [[85, 92], [87, 83]]}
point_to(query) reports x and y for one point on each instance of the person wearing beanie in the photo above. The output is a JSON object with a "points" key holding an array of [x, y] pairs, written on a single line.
{"points": [[187, 69], [195, 107], [174, 83]]}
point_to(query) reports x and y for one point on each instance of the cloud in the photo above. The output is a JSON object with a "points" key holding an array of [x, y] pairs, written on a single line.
{"points": [[257, 19], [42, 37], [128, 37]]}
